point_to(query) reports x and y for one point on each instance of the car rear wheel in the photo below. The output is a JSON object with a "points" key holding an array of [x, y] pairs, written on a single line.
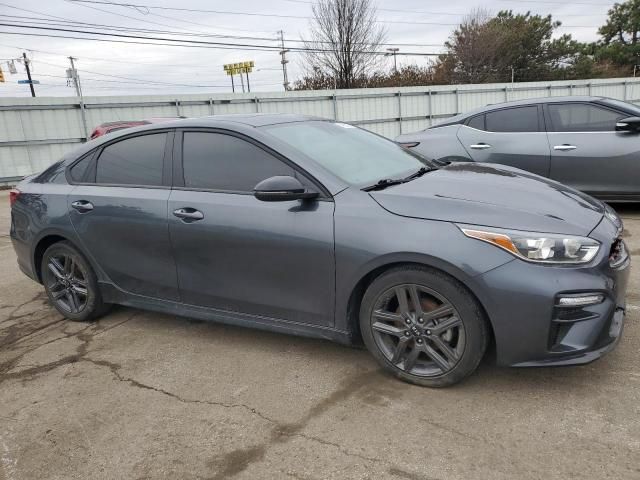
{"points": [[423, 326], [71, 283]]}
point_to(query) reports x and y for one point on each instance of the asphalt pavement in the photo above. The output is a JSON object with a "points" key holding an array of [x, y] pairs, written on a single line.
{"points": [[140, 395]]}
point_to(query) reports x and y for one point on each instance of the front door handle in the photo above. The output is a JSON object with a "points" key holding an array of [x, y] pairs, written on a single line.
{"points": [[480, 146], [564, 147], [82, 206], [188, 214]]}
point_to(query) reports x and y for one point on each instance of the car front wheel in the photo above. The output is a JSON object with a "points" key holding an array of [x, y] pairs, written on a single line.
{"points": [[423, 326]]}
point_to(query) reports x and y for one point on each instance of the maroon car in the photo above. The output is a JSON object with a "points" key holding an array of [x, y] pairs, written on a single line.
{"points": [[109, 127]]}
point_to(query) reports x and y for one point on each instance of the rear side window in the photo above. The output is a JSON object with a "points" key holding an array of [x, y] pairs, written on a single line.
{"points": [[476, 122], [223, 162], [134, 161], [520, 119], [583, 117]]}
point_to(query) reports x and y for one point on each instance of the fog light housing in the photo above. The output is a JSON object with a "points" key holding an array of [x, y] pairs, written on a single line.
{"points": [[580, 300]]}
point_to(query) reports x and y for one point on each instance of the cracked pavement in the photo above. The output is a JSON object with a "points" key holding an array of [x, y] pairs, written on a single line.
{"points": [[141, 395]]}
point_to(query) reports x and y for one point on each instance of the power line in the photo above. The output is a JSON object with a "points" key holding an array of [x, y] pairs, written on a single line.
{"points": [[275, 15], [43, 21], [207, 44]]}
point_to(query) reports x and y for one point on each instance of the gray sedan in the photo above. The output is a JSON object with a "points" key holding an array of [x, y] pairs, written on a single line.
{"points": [[589, 143], [312, 227]]}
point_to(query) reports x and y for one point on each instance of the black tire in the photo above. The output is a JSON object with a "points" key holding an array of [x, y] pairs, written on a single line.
{"points": [[437, 345], [66, 273]]}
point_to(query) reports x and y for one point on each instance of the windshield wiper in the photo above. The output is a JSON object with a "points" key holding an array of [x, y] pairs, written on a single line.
{"points": [[421, 171], [384, 183], [387, 182]]}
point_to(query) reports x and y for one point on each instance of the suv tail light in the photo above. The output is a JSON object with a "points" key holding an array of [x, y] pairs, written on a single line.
{"points": [[14, 193]]}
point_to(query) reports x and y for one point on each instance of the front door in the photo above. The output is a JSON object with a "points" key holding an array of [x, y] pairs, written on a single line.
{"points": [[509, 136], [239, 254], [588, 154]]}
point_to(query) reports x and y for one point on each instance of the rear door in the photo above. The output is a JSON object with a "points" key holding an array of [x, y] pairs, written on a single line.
{"points": [[239, 254], [119, 210], [587, 152], [511, 136]]}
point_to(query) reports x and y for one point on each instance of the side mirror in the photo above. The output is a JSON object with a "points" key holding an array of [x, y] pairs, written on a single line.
{"points": [[629, 124], [282, 189]]}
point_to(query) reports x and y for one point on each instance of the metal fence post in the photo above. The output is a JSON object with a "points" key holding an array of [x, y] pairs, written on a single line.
{"points": [[84, 120], [625, 90], [506, 94], [589, 85], [457, 102], [430, 109], [177, 107], [400, 110], [335, 106], [257, 101], [211, 106]]}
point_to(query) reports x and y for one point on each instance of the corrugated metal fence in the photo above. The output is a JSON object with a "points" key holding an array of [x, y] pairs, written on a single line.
{"points": [[34, 132]]}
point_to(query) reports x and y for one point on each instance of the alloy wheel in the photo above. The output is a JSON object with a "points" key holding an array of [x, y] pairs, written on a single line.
{"points": [[418, 330], [67, 283]]}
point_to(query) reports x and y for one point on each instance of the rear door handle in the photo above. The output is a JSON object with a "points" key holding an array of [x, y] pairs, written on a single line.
{"points": [[480, 146], [188, 214], [82, 206], [565, 147]]}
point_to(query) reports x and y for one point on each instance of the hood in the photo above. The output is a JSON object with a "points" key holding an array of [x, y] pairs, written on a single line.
{"points": [[496, 196]]}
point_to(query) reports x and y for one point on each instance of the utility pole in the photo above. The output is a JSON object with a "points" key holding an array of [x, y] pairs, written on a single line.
{"points": [[284, 61], [394, 51], [75, 78], [247, 74], [26, 65], [73, 73]]}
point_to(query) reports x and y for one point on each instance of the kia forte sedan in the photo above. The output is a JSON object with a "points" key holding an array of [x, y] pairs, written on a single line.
{"points": [[589, 143], [312, 227]]}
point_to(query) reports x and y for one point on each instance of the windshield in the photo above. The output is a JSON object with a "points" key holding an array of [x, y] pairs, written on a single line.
{"points": [[355, 155], [629, 107]]}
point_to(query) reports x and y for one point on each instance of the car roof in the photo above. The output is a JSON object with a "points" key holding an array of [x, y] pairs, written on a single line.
{"points": [[248, 119], [514, 103], [232, 122]]}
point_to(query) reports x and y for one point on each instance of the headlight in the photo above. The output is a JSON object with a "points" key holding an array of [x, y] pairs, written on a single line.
{"points": [[538, 247]]}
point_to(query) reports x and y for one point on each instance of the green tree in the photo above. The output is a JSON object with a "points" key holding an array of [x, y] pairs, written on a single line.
{"points": [[492, 49]]}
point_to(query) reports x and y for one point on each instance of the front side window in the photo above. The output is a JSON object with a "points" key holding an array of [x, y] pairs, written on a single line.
{"points": [[583, 117], [520, 119], [133, 161], [217, 161], [354, 155]]}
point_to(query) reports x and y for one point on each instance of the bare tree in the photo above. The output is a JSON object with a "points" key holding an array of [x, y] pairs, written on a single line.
{"points": [[342, 38]]}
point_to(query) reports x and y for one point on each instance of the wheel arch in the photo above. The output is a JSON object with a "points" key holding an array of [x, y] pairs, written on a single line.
{"points": [[51, 237], [366, 278]]}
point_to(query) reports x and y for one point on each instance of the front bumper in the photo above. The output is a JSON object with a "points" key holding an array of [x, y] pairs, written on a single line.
{"points": [[532, 330]]}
